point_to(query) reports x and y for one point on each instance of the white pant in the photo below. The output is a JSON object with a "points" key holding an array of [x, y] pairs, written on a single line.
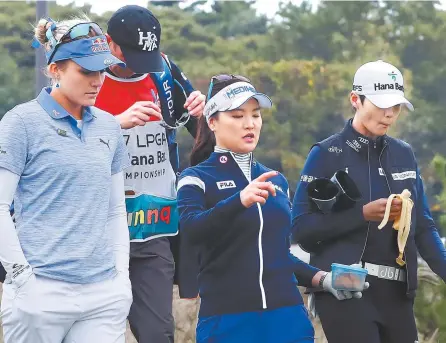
{"points": [[43, 310]]}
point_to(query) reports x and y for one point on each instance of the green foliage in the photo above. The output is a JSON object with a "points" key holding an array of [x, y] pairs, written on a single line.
{"points": [[232, 19], [304, 59], [430, 306], [164, 3], [439, 165]]}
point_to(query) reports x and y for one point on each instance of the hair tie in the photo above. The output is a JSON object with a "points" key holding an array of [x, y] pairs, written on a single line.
{"points": [[49, 32]]}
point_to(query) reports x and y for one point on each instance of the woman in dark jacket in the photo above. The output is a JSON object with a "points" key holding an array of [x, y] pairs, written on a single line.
{"points": [[380, 166], [237, 212]]}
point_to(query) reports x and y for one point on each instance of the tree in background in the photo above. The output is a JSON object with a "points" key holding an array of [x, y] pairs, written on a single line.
{"points": [[439, 165], [164, 3], [430, 306], [304, 58]]}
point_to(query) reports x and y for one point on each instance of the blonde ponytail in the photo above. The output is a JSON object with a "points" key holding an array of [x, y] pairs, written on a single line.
{"points": [[40, 33], [62, 27]]}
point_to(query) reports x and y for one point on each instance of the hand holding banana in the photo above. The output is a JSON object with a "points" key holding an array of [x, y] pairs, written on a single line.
{"points": [[402, 222]]}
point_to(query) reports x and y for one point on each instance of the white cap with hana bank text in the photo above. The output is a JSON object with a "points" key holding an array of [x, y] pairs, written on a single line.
{"points": [[381, 83]]}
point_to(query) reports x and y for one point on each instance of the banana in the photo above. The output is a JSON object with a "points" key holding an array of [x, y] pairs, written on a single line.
{"points": [[402, 223]]}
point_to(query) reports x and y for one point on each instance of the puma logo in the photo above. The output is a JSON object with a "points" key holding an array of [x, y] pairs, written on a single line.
{"points": [[106, 143]]}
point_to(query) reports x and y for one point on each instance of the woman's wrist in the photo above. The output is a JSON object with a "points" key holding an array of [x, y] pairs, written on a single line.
{"points": [[318, 279]]}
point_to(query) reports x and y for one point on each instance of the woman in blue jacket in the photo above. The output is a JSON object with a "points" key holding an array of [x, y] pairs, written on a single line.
{"points": [[237, 212]]}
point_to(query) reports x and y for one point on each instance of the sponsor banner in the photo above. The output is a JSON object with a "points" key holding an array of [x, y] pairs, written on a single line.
{"points": [[149, 216]]}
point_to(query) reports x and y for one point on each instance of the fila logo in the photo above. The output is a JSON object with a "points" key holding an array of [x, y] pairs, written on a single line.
{"points": [[148, 42], [225, 184]]}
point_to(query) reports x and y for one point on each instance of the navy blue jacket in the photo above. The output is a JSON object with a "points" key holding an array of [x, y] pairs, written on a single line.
{"points": [[342, 237], [245, 262]]}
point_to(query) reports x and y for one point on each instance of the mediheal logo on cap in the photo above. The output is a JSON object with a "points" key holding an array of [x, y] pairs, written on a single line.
{"points": [[232, 97], [232, 92]]}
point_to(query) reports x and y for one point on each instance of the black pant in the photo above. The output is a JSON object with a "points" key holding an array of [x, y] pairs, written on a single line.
{"points": [[151, 273], [383, 315]]}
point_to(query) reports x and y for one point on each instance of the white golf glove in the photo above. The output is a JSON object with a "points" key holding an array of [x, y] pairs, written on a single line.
{"points": [[342, 295]]}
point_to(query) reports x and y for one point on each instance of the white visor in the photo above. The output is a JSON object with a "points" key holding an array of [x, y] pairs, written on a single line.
{"points": [[233, 96]]}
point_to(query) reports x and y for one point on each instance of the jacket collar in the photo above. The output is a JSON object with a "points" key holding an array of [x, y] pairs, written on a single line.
{"points": [[227, 161], [359, 142], [223, 156]]}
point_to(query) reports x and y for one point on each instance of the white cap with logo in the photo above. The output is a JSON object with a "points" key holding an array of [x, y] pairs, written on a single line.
{"points": [[232, 97], [381, 83]]}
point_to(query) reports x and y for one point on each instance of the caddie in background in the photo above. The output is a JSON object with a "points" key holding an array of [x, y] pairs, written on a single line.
{"points": [[151, 98]]}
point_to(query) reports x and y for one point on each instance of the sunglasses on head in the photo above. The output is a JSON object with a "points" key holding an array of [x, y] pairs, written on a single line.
{"points": [[222, 78], [77, 31], [227, 77]]}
